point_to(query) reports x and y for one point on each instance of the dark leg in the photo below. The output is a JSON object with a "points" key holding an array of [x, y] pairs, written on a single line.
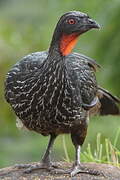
{"points": [[78, 137], [46, 158], [46, 162]]}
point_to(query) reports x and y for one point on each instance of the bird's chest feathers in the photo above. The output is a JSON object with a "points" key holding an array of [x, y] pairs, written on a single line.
{"points": [[59, 92], [53, 84]]}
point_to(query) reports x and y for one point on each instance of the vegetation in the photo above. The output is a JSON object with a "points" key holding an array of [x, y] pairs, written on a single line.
{"points": [[103, 153], [26, 26]]}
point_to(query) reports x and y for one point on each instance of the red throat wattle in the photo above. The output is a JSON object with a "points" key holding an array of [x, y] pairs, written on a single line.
{"points": [[67, 43]]}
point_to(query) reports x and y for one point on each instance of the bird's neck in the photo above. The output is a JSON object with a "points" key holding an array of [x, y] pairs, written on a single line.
{"points": [[63, 44], [67, 43]]}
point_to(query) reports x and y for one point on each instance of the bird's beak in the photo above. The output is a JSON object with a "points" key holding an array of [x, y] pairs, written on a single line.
{"points": [[92, 24], [87, 24]]}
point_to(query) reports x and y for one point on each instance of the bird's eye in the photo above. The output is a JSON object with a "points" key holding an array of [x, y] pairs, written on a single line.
{"points": [[71, 21]]}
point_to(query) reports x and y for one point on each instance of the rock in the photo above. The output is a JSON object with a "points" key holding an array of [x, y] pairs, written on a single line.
{"points": [[108, 172]]}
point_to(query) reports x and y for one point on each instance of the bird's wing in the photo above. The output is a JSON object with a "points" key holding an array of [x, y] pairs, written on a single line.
{"points": [[91, 62], [21, 72], [109, 103], [32, 61], [81, 70], [104, 103]]}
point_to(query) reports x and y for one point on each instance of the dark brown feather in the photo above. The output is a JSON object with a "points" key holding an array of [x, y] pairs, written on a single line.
{"points": [[109, 103]]}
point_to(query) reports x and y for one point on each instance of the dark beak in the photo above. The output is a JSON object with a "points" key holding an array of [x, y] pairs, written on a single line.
{"points": [[87, 24], [92, 24]]}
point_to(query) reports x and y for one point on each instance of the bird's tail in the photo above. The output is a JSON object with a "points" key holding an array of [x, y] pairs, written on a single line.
{"points": [[109, 103]]}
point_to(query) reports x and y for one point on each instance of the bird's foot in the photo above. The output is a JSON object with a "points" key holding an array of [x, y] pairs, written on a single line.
{"points": [[21, 166], [28, 168], [60, 171], [81, 169]]}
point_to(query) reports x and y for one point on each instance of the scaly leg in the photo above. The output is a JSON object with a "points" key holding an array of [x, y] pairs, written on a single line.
{"points": [[46, 162], [78, 140], [46, 158]]}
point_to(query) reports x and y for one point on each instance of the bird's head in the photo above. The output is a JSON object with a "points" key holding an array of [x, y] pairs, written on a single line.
{"points": [[68, 29]]}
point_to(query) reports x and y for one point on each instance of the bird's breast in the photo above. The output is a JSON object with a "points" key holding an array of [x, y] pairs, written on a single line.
{"points": [[45, 98]]}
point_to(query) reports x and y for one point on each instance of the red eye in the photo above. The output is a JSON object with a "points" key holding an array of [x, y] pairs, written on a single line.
{"points": [[71, 21]]}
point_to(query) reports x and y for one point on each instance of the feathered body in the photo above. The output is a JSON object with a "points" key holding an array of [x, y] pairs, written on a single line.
{"points": [[50, 96]]}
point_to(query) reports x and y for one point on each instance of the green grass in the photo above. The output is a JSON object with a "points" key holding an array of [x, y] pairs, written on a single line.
{"points": [[103, 153]]}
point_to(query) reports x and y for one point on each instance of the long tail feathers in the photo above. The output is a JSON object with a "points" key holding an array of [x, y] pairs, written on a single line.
{"points": [[109, 103]]}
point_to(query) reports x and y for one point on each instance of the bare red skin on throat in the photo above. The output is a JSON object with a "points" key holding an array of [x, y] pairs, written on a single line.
{"points": [[67, 43]]}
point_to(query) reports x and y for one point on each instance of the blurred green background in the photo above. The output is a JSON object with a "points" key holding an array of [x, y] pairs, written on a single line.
{"points": [[26, 26]]}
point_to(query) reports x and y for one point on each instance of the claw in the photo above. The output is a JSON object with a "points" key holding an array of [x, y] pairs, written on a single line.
{"points": [[76, 170], [34, 167], [60, 171], [80, 169], [28, 168], [21, 166]]}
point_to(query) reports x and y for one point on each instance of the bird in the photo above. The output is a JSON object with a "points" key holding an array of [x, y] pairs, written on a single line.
{"points": [[55, 92]]}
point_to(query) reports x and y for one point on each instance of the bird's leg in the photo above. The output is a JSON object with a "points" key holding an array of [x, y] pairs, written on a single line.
{"points": [[46, 158], [78, 140], [76, 165], [46, 162]]}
